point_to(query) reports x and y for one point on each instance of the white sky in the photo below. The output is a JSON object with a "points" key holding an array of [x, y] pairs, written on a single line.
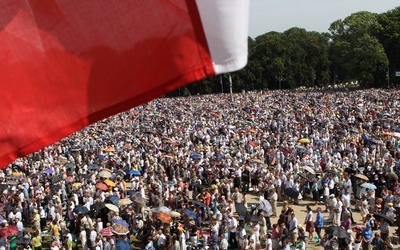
{"points": [[313, 15]]}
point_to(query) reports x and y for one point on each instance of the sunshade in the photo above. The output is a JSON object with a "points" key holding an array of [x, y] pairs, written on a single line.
{"points": [[304, 140], [106, 232], [9, 231], [164, 217], [292, 193], [105, 174], [124, 202], [309, 169], [368, 186], [101, 186], [76, 185], [175, 214], [112, 207], [361, 177], [110, 183], [119, 230], [81, 210], [389, 221]]}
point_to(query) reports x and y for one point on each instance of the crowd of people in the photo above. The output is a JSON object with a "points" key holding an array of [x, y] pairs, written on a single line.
{"points": [[179, 173]]}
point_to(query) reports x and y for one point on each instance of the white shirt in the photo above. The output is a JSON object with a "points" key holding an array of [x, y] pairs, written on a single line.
{"points": [[233, 225]]}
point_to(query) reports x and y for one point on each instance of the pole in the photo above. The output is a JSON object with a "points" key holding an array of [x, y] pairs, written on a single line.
{"points": [[230, 88], [222, 84]]}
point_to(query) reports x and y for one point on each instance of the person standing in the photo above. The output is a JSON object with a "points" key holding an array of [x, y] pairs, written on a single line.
{"points": [[367, 237], [232, 231], [319, 223], [384, 228], [308, 221], [337, 212], [293, 229], [273, 198]]}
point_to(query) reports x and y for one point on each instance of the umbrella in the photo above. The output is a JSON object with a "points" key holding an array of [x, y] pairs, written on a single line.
{"points": [[55, 188], [3, 187], [101, 186], [292, 193], [121, 222], [70, 179], [97, 206], [392, 175], [304, 140], [134, 172], [361, 177], [252, 218], [389, 221], [175, 214], [190, 213], [368, 186], [48, 171], [309, 169], [119, 229], [305, 177], [81, 210], [69, 165], [257, 161], [23, 241], [106, 232], [123, 245], [93, 167], [76, 185], [139, 200], [110, 183], [124, 202], [340, 232], [104, 174], [199, 203], [9, 231], [266, 206], [241, 209], [162, 209], [112, 207], [164, 217], [196, 156], [109, 150], [8, 208]]}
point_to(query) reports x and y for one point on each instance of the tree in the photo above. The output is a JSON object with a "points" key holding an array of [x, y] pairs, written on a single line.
{"points": [[356, 53]]}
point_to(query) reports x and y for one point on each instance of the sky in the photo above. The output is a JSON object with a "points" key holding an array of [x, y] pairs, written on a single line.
{"points": [[312, 15]]}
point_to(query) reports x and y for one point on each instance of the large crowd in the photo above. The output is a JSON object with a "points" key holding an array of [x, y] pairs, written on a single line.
{"points": [[178, 173]]}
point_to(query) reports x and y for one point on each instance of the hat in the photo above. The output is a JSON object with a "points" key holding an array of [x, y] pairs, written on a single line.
{"points": [[332, 195], [358, 227], [390, 204]]}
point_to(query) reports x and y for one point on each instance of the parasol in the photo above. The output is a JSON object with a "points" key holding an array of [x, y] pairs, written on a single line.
{"points": [[241, 209], [101, 186], [119, 230], [134, 172], [361, 177], [48, 171], [110, 183], [162, 209], [112, 199], [368, 186], [175, 214], [388, 220], [124, 202], [304, 140], [106, 232], [164, 217], [309, 169], [9, 231], [105, 174], [76, 185], [96, 207], [112, 207], [81, 210], [292, 193], [121, 222], [70, 179], [337, 231], [199, 203]]}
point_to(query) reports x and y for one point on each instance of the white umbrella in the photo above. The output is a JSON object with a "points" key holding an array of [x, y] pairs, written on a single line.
{"points": [[112, 207], [265, 205], [105, 174], [162, 209], [309, 169]]}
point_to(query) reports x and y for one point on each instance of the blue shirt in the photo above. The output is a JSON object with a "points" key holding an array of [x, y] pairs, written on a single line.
{"points": [[367, 234], [319, 221]]}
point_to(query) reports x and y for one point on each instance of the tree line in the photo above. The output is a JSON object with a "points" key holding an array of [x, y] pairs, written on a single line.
{"points": [[363, 47]]}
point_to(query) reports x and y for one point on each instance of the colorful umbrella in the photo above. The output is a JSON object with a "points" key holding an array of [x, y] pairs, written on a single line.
{"points": [[9, 231], [304, 140], [119, 230], [164, 217], [101, 186], [48, 171], [106, 232], [110, 183], [121, 222], [109, 150], [76, 185], [70, 179], [134, 172]]}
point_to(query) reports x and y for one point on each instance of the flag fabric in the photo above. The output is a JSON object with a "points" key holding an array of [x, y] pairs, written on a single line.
{"points": [[65, 64]]}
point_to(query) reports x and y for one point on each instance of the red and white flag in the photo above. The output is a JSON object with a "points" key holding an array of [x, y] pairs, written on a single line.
{"points": [[65, 64]]}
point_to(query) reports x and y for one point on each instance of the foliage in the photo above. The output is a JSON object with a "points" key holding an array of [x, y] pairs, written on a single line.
{"points": [[361, 47]]}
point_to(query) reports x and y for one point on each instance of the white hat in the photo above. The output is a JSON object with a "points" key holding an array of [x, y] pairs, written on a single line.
{"points": [[332, 195]]}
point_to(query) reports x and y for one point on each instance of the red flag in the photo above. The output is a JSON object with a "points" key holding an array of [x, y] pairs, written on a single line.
{"points": [[65, 64]]}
